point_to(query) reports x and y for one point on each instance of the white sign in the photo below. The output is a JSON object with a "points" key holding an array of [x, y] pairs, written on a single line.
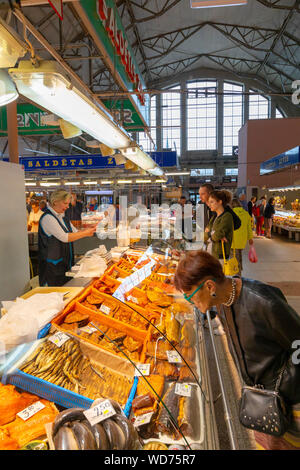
{"points": [[134, 280], [184, 390], [143, 419], [59, 339], [100, 412], [105, 309], [31, 410], [88, 329], [142, 369], [174, 357]]}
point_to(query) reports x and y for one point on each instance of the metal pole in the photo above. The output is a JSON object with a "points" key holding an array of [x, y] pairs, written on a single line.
{"points": [[228, 418]]}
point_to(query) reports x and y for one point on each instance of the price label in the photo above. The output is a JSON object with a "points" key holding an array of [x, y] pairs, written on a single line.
{"points": [[59, 339], [88, 329], [185, 390], [174, 357], [105, 309], [100, 412], [142, 369], [31, 410], [143, 419]]}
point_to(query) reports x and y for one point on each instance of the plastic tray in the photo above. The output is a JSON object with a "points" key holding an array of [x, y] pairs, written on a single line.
{"points": [[56, 394]]}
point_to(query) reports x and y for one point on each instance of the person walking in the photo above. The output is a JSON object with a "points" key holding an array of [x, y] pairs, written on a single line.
{"points": [[261, 329], [268, 215], [243, 235]]}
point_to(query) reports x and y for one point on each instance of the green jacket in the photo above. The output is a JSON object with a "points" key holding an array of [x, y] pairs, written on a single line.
{"points": [[220, 227]]}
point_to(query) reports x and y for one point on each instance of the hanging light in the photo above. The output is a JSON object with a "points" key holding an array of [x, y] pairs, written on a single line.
{"points": [[140, 158], [216, 3], [11, 47], [8, 92], [48, 87]]}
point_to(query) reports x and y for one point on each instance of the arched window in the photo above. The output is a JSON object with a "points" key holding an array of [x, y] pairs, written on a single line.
{"points": [[171, 120], [232, 116], [202, 115], [142, 137], [258, 106]]}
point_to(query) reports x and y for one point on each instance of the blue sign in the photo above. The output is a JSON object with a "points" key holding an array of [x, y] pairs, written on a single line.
{"points": [[164, 159], [67, 162], [85, 162], [291, 157]]}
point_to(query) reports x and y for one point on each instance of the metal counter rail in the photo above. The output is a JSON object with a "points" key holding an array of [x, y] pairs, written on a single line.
{"points": [[228, 417]]}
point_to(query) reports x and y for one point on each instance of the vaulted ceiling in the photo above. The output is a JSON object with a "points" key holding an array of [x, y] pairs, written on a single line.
{"points": [[258, 42]]}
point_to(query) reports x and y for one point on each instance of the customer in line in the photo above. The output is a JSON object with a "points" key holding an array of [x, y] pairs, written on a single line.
{"points": [[34, 217], [266, 327], [243, 235], [204, 192], [220, 226], [56, 237], [251, 205], [268, 215], [242, 199], [259, 215]]}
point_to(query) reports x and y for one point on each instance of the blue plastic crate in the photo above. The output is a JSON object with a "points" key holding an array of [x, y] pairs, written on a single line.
{"points": [[47, 390], [55, 393]]}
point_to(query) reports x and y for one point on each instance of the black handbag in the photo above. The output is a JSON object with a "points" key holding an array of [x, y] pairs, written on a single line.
{"points": [[260, 409]]}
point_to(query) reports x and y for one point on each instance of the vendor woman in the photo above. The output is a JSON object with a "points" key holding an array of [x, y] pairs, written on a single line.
{"points": [[56, 234]]}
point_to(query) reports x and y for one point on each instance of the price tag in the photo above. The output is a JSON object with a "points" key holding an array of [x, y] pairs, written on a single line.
{"points": [[143, 368], [143, 419], [31, 410], [105, 309], [185, 390], [174, 357], [59, 339], [88, 329], [100, 412]]}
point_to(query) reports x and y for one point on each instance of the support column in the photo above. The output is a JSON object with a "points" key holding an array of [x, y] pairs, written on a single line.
{"points": [[246, 105], [273, 108], [183, 120], [220, 119], [158, 123], [12, 132]]}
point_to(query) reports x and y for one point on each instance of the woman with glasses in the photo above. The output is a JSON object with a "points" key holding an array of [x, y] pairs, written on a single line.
{"points": [[261, 328]]}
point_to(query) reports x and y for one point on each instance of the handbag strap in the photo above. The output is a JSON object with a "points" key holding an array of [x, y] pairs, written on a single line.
{"points": [[224, 257]]}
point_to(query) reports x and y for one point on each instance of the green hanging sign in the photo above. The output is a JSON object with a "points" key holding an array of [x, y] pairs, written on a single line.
{"points": [[29, 119], [110, 34], [125, 113]]}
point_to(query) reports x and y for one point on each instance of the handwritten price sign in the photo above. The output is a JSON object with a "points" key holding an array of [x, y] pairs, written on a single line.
{"points": [[100, 412], [30, 410]]}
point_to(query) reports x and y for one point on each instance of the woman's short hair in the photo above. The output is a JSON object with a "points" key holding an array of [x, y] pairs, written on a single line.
{"points": [[236, 203], [222, 195], [271, 200], [195, 267], [59, 195]]}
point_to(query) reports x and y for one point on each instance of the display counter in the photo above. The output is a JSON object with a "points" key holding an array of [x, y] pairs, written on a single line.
{"points": [[130, 338], [288, 221]]}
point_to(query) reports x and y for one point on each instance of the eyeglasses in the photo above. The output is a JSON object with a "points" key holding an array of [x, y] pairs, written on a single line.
{"points": [[188, 297]]}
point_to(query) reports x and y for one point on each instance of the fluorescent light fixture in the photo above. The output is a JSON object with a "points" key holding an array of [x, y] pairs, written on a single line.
{"points": [[135, 154], [124, 181], [179, 173], [8, 92], [216, 3], [72, 183], [143, 181], [160, 181], [30, 184], [11, 47], [106, 182], [49, 184], [90, 182], [287, 188], [48, 87]]}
